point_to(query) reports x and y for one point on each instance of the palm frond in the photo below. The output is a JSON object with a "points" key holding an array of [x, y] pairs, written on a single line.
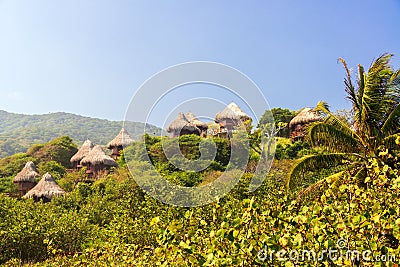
{"points": [[360, 176], [349, 87], [319, 186], [359, 95], [331, 119], [394, 87], [325, 106], [375, 101], [332, 138], [392, 122], [313, 163], [395, 78], [390, 141]]}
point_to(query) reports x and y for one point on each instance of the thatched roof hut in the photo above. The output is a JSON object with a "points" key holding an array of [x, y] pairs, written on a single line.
{"points": [[82, 152], [27, 174], [194, 120], [232, 112], [122, 139], [306, 115], [26, 178], [228, 119], [46, 189], [97, 156], [297, 124], [202, 126], [181, 125]]}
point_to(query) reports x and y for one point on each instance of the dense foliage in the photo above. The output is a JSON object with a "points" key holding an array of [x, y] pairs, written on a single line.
{"points": [[288, 150], [350, 215], [112, 222]]}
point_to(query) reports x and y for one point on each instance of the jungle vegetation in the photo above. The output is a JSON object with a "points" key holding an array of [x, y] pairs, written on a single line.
{"points": [[338, 190]]}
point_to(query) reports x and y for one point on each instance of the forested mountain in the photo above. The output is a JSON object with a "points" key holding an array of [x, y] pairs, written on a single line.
{"points": [[18, 132]]}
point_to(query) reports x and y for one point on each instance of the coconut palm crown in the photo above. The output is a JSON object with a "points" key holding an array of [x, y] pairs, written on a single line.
{"points": [[375, 104]]}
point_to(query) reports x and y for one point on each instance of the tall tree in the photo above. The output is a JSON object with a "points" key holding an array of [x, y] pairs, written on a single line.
{"points": [[281, 118], [375, 101]]}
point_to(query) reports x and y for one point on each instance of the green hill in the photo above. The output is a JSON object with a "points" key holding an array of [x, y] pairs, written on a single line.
{"points": [[18, 132]]}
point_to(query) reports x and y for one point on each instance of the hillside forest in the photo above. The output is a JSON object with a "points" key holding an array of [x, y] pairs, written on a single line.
{"points": [[18, 132]]}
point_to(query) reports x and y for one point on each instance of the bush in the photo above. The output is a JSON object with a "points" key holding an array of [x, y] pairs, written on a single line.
{"points": [[292, 151], [52, 167], [60, 150]]}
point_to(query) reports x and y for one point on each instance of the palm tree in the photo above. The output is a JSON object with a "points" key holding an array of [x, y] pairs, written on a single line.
{"points": [[375, 104]]}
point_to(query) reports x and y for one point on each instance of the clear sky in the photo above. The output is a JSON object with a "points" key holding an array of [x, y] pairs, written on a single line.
{"points": [[89, 57]]}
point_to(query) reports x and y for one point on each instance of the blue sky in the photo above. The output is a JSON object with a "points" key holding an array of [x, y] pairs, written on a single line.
{"points": [[89, 57]]}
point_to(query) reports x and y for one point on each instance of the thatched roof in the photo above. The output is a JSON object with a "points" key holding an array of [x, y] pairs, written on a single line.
{"points": [[195, 121], [83, 151], [307, 115], [47, 187], [122, 139], [27, 174], [97, 156], [182, 123], [232, 112]]}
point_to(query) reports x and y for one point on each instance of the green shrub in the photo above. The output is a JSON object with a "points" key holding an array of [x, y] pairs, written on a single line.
{"points": [[60, 150], [53, 167], [292, 151]]}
